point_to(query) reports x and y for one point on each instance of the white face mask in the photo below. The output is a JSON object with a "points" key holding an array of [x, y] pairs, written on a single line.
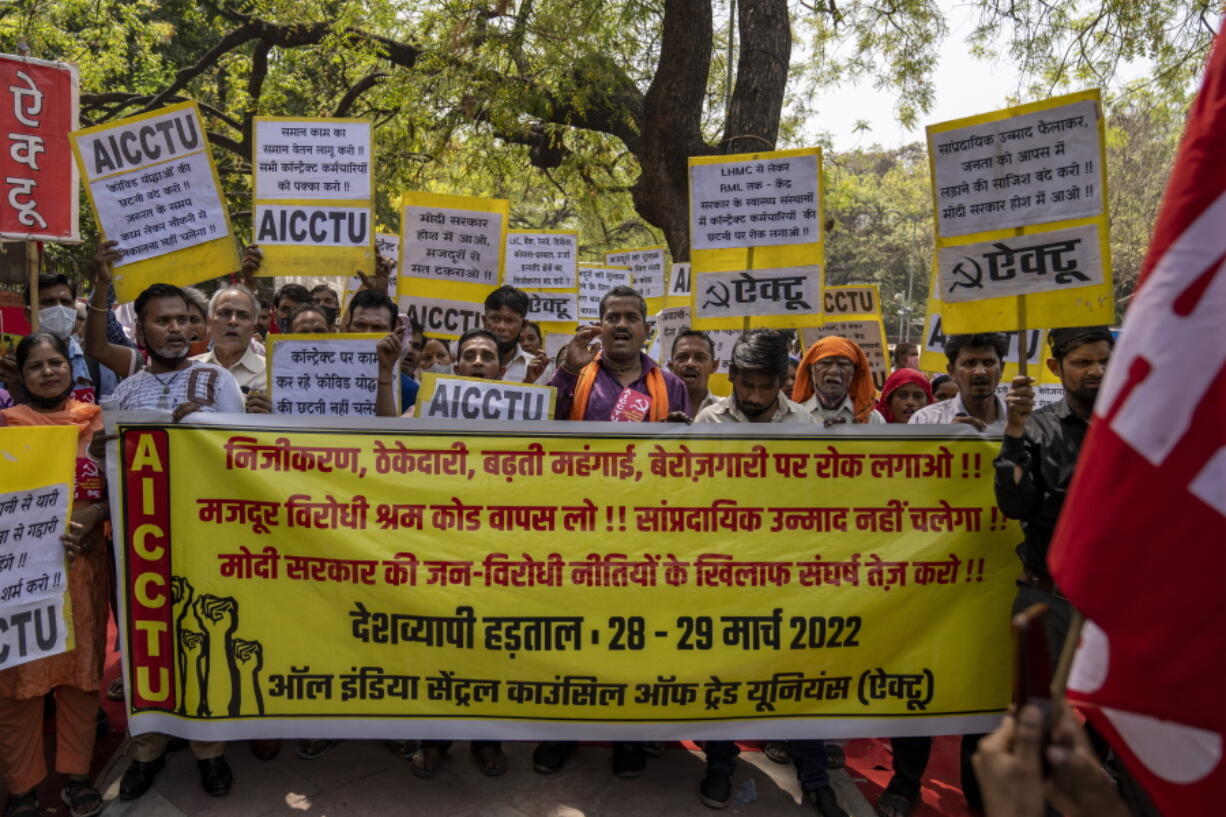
{"points": [[439, 368], [58, 320]]}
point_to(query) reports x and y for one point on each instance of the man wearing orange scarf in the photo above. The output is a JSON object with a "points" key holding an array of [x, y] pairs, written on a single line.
{"points": [[835, 384], [619, 382]]}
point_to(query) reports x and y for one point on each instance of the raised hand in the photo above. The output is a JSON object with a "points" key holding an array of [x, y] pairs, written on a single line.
{"points": [[579, 351]]}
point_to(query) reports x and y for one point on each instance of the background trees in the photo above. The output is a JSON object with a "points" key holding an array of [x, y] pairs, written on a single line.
{"points": [[583, 112]]}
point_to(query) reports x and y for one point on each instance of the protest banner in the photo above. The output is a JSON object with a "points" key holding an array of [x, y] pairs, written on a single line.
{"points": [[451, 258], [648, 273], [313, 192], [41, 200], [572, 580], [36, 490], [554, 309], [756, 238], [451, 397], [154, 189], [325, 375], [594, 281], [1022, 233]]}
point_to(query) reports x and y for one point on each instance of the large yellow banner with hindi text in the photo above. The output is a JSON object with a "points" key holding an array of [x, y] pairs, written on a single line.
{"points": [[553, 580]]}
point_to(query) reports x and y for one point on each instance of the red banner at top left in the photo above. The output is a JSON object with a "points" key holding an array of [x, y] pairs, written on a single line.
{"points": [[37, 174]]}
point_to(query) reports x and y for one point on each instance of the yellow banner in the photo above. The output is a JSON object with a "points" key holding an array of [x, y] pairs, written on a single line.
{"points": [[36, 493], [648, 272], [557, 580], [1022, 235], [452, 257], [312, 185], [758, 215], [154, 189]]}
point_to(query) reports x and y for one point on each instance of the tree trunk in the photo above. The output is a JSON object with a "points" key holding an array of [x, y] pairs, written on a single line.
{"points": [[672, 110]]}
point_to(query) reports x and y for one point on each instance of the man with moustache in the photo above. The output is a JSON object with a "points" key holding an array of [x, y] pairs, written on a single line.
{"points": [[325, 298], [834, 382], [693, 360], [757, 370], [174, 382], [590, 383], [975, 365], [506, 312]]}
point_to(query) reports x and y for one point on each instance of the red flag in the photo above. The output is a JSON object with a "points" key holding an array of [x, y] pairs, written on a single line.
{"points": [[1141, 545]]}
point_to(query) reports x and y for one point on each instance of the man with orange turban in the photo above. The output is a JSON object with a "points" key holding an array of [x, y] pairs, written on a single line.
{"points": [[835, 384]]}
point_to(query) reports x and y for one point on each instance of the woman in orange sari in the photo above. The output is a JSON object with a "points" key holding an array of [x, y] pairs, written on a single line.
{"points": [[45, 377]]}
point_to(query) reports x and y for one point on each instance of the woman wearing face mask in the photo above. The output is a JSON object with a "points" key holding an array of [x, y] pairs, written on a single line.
{"points": [[435, 357], [45, 375]]}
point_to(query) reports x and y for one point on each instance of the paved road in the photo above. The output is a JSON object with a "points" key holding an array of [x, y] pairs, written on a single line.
{"points": [[361, 778]]}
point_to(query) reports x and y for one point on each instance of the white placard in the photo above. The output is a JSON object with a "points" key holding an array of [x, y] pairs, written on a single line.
{"points": [[1021, 265], [554, 341], [672, 321], [553, 307], [439, 316], [1028, 169], [31, 555], [865, 334], [153, 186], [319, 225], [594, 282], [445, 244], [646, 269], [781, 291], [1044, 393], [326, 378], [33, 630], [312, 159], [541, 260], [468, 398], [759, 203]]}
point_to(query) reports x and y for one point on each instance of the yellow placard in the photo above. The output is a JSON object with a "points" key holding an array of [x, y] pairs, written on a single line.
{"points": [[759, 258], [453, 300], [321, 258], [184, 267], [1075, 306], [37, 478], [477, 580]]}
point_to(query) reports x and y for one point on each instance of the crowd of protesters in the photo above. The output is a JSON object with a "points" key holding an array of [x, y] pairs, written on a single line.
{"points": [[187, 353]]}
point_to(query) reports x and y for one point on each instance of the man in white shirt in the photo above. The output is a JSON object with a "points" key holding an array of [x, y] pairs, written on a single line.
{"points": [[975, 363], [232, 316], [835, 384], [758, 368], [172, 381]]}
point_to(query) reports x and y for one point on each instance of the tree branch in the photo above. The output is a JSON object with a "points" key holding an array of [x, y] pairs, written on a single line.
{"points": [[360, 87]]}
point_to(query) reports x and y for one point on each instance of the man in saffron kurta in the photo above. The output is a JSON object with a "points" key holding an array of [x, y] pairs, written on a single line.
{"points": [[592, 385]]}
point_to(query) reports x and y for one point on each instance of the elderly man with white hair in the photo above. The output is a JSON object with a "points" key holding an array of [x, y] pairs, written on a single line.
{"points": [[231, 324]]}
